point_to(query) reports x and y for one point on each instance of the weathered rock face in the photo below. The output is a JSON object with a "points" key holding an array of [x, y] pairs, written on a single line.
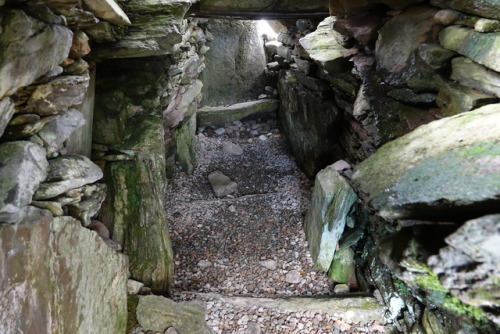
{"points": [[423, 174], [485, 8], [331, 203], [134, 210], [23, 42], [345, 6], [23, 167], [308, 121], [159, 313], [235, 63], [472, 247], [264, 6], [51, 283], [222, 115]]}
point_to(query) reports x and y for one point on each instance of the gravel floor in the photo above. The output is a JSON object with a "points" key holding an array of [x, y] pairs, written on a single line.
{"points": [[251, 243]]}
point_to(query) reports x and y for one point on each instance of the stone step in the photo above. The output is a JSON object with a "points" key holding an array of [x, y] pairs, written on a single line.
{"points": [[359, 308], [221, 115]]}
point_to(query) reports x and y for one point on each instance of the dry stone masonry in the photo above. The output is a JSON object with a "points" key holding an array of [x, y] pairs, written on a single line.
{"points": [[391, 107]]}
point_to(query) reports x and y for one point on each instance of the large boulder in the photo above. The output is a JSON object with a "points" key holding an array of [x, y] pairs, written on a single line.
{"points": [[158, 313], [23, 166], [134, 209], [59, 277], [235, 63], [309, 121], [29, 48], [332, 200], [449, 163]]}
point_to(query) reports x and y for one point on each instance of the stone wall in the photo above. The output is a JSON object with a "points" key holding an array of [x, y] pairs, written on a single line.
{"points": [[417, 114]]}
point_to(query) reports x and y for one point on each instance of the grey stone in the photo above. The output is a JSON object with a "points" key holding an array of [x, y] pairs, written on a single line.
{"points": [[6, 113], [341, 166], [231, 148], [66, 173], [467, 42], [54, 207], [272, 47], [234, 74], [113, 245], [324, 224], [29, 49], [221, 184], [133, 287], [253, 328], [485, 25], [324, 49], [23, 166], [220, 131], [269, 264], [394, 50], [57, 95], [159, 313], [108, 10], [203, 264], [55, 133], [89, 206], [475, 76], [293, 277], [285, 52], [183, 105], [102, 32], [341, 288], [56, 281], [171, 330], [222, 115], [438, 170]]}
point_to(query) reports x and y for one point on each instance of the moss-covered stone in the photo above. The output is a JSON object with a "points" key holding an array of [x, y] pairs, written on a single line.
{"points": [[135, 208], [185, 142], [343, 267], [451, 162], [482, 48], [475, 76]]}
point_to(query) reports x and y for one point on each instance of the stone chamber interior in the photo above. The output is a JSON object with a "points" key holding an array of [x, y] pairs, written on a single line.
{"points": [[366, 132]]}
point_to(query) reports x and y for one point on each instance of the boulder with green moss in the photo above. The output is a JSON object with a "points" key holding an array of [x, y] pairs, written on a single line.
{"points": [[485, 8], [481, 48], [445, 169], [134, 209]]}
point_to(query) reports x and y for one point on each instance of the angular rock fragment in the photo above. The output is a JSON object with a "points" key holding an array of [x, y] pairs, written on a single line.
{"points": [[22, 166], [221, 184], [108, 10], [55, 133], [324, 224], [89, 206], [6, 112]]}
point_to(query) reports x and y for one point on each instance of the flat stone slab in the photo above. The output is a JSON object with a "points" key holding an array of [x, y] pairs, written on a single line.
{"points": [[359, 309], [221, 115]]}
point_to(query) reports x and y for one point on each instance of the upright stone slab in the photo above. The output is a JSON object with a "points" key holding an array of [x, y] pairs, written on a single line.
{"points": [[185, 144], [331, 202], [135, 210], [449, 163], [58, 277]]}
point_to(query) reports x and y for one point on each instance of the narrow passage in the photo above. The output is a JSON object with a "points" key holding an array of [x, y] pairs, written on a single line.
{"points": [[251, 243]]}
